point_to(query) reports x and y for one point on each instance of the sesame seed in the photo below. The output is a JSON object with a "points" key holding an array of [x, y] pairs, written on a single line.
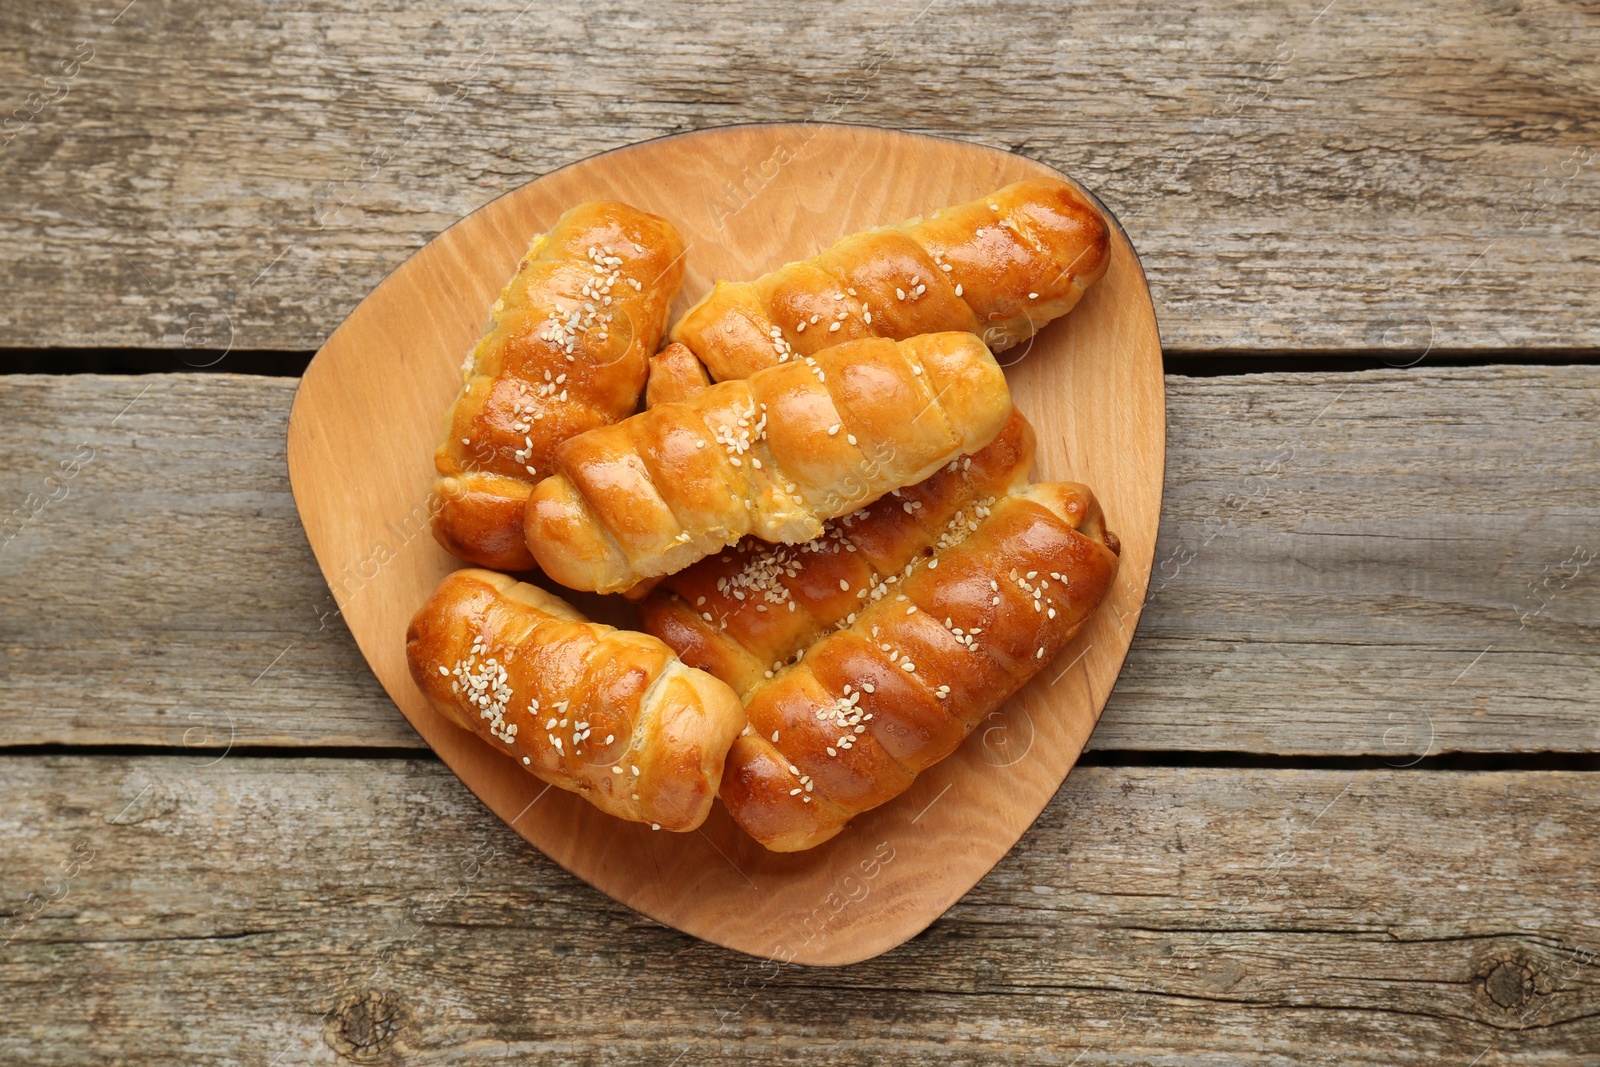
{"points": [[444, 670], [833, 429], [655, 826], [635, 768], [844, 586], [800, 327], [616, 770], [907, 665], [850, 437], [1033, 296], [833, 328], [958, 288]]}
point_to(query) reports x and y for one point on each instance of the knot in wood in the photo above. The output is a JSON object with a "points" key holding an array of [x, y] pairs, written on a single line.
{"points": [[1509, 984], [365, 1026]]}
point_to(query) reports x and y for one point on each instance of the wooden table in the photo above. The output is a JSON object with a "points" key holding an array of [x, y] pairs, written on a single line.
{"points": [[1342, 807]]}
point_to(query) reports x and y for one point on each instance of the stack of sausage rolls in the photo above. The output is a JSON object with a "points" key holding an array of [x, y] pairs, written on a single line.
{"points": [[823, 511]]}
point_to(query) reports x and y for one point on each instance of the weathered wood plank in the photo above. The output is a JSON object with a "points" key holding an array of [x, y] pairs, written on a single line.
{"points": [[1179, 916], [1295, 175], [1385, 563]]}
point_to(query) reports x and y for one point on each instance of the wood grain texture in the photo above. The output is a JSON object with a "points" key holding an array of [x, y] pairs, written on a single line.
{"points": [[1326, 576], [1295, 175], [251, 909], [360, 436]]}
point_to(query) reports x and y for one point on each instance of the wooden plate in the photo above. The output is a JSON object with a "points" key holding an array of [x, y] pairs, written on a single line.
{"points": [[370, 412]]}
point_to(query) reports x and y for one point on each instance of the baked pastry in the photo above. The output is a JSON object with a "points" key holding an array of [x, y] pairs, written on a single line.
{"points": [[567, 351], [873, 704], [773, 455], [675, 376], [1000, 267], [745, 613], [609, 714]]}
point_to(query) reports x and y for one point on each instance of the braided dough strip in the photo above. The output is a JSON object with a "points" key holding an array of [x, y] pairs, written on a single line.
{"points": [[773, 455], [873, 704], [567, 351], [1000, 267], [609, 714]]}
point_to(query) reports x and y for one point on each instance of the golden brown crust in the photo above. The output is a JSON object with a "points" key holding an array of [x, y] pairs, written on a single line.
{"points": [[609, 714], [675, 376], [742, 614], [567, 352], [874, 703], [1001, 267], [774, 455]]}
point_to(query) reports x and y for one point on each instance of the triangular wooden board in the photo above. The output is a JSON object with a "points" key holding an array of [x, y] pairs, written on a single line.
{"points": [[370, 412]]}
